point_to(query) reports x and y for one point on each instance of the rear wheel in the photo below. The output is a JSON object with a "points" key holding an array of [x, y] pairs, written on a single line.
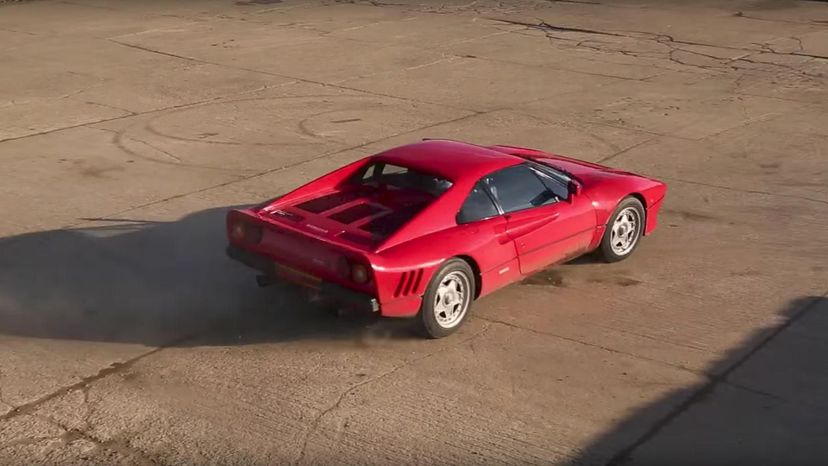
{"points": [[447, 299], [623, 231]]}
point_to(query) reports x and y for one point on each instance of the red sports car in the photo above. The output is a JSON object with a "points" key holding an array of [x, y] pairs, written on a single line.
{"points": [[424, 229]]}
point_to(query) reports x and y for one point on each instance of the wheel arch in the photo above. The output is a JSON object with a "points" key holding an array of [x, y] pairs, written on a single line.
{"points": [[478, 277], [643, 202]]}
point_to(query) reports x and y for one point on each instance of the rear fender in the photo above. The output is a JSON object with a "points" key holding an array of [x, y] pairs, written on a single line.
{"points": [[400, 288], [403, 272]]}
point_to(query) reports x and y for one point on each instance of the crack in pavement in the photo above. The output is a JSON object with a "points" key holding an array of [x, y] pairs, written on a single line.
{"points": [[624, 456], [749, 191], [295, 78], [625, 150], [83, 383], [338, 403], [119, 117], [712, 378], [71, 434], [27, 441], [579, 2], [292, 79], [128, 112], [544, 26], [445, 58], [441, 9], [158, 149], [283, 167], [3, 402], [741, 14], [584, 343], [670, 42], [28, 33]]}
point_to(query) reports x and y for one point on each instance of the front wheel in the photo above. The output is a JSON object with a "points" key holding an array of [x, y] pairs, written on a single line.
{"points": [[623, 231], [447, 299]]}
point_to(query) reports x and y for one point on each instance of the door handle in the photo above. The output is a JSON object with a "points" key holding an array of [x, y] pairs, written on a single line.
{"points": [[501, 234], [554, 215]]}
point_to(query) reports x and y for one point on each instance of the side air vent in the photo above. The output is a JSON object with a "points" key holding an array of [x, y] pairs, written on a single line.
{"points": [[409, 283]]}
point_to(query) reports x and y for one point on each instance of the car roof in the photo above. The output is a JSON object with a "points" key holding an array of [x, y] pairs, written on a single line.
{"points": [[453, 160]]}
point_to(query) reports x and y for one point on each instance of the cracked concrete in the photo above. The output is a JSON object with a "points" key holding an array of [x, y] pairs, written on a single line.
{"points": [[719, 57], [352, 389], [127, 129]]}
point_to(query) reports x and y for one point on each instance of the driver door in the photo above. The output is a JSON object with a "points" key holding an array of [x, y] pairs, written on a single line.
{"points": [[547, 223]]}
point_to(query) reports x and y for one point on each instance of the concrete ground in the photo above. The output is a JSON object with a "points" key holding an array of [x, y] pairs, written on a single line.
{"points": [[128, 128]]}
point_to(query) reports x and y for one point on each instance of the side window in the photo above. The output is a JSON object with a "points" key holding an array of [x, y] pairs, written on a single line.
{"points": [[518, 188], [393, 170], [477, 206], [370, 173], [555, 185]]}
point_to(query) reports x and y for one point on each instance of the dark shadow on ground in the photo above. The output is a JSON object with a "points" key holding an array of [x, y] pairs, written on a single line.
{"points": [[765, 402], [156, 283]]}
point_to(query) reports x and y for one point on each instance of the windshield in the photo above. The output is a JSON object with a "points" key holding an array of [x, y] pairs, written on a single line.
{"points": [[385, 176]]}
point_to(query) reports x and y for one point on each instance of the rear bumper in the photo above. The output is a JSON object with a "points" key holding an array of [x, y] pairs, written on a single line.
{"points": [[341, 295]]}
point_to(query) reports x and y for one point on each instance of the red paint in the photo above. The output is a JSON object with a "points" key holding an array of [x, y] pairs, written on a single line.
{"points": [[324, 236]]}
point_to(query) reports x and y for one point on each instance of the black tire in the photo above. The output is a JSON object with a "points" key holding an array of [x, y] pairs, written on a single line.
{"points": [[453, 271], [628, 205]]}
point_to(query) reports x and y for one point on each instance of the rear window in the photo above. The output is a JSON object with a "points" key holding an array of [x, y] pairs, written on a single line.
{"points": [[477, 206], [386, 175]]}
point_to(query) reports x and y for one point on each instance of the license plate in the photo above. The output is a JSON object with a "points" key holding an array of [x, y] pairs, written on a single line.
{"points": [[297, 276]]}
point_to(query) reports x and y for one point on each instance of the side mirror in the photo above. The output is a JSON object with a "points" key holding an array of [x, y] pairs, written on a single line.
{"points": [[574, 188]]}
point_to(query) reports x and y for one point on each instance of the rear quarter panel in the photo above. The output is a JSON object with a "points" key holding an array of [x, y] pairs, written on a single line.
{"points": [[478, 242]]}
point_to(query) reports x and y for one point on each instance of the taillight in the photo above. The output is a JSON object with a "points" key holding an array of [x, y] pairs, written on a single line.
{"points": [[254, 234], [359, 273], [246, 232], [237, 231]]}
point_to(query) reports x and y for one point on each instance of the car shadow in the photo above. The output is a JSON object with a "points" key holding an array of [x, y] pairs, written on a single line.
{"points": [[588, 258], [156, 283], [762, 402]]}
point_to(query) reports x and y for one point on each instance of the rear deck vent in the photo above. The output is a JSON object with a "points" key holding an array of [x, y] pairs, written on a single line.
{"points": [[321, 204], [357, 212]]}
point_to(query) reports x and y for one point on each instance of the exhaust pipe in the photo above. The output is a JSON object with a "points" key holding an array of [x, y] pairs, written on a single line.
{"points": [[264, 280]]}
